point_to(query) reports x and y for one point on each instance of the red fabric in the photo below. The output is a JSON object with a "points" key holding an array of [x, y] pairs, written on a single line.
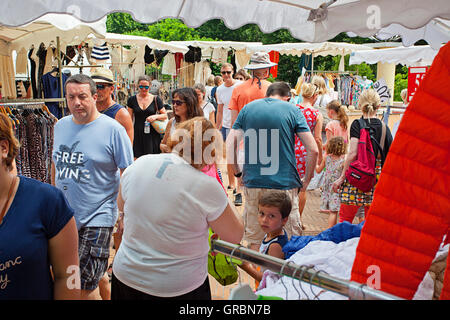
{"points": [[348, 212], [275, 58], [410, 212], [300, 150], [178, 59], [361, 172]]}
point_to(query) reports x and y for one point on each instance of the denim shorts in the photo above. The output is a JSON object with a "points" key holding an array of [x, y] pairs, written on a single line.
{"points": [[93, 251]]}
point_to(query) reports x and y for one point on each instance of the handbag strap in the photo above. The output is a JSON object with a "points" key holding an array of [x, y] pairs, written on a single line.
{"points": [[156, 104]]}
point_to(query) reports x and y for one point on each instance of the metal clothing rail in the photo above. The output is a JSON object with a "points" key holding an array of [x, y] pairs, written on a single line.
{"points": [[29, 101], [351, 289]]}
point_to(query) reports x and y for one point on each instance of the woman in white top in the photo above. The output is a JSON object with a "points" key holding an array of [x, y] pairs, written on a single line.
{"points": [[168, 206], [207, 107]]}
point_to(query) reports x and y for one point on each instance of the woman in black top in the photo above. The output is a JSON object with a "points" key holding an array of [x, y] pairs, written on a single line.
{"points": [[143, 107], [351, 197]]}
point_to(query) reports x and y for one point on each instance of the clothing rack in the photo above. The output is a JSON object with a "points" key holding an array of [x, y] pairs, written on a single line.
{"points": [[351, 289], [329, 71], [29, 101]]}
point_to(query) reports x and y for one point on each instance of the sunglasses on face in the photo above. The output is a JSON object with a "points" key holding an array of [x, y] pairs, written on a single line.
{"points": [[177, 102], [144, 87], [225, 72], [102, 86]]}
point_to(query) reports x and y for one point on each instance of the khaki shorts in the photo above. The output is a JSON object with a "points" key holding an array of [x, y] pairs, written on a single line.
{"points": [[253, 233]]}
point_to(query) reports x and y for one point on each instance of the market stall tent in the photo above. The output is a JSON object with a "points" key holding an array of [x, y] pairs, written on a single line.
{"points": [[409, 56], [45, 29], [308, 20]]}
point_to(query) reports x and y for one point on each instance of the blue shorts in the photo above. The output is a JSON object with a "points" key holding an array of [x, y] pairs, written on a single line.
{"points": [[224, 132]]}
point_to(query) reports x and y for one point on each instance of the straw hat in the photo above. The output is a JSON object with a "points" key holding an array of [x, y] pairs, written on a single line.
{"points": [[102, 75], [260, 60]]}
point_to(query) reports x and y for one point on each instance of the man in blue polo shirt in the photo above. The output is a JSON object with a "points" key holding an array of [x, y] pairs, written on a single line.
{"points": [[268, 127]]}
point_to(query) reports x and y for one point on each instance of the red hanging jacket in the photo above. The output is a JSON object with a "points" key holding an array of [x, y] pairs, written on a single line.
{"points": [[410, 213]]}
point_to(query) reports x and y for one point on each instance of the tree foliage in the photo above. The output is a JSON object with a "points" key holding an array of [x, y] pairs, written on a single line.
{"points": [[288, 70]]}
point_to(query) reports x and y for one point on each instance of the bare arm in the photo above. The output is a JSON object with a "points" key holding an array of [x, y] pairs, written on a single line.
{"points": [[348, 159], [53, 174], [232, 145], [312, 152], [63, 253], [163, 145], [228, 226], [234, 115], [124, 118], [275, 250], [318, 136], [321, 165], [219, 116]]}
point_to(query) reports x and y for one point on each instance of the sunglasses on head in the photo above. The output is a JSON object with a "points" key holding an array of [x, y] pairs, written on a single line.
{"points": [[227, 72], [144, 87], [177, 102], [102, 86]]}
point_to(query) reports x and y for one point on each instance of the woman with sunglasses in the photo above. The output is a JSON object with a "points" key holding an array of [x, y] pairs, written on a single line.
{"points": [[314, 119], [145, 108], [185, 106]]}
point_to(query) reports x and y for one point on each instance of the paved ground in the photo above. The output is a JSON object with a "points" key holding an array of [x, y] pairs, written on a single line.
{"points": [[314, 222]]}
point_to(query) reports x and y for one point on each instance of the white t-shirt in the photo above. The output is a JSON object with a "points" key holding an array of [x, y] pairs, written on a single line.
{"points": [[322, 100], [168, 204], [207, 109], [223, 94]]}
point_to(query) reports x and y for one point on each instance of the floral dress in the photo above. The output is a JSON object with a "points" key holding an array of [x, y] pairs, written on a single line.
{"points": [[300, 150], [330, 199]]}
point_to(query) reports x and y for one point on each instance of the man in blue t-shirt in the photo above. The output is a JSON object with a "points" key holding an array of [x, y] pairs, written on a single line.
{"points": [[268, 127], [89, 149]]}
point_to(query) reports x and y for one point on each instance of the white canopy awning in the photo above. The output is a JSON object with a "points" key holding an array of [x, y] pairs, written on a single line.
{"points": [[316, 49], [218, 44], [308, 20], [45, 29], [114, 38], [410, 56]]}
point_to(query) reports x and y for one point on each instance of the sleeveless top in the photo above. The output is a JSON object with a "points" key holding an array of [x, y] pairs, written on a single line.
{"points": [[112, 111], [281, 239]]}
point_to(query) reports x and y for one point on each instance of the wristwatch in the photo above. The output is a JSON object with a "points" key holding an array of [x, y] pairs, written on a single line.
{"points": [[238, 175]]}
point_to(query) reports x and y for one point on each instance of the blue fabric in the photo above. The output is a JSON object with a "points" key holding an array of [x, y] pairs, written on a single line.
{"points": [[269, 126], [38, 212], [87, 159], [50, 85], [112, 111], [338, 233]]}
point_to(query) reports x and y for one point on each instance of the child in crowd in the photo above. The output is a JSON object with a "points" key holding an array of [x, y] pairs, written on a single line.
{"points": [[274, 208], [333, 163]]}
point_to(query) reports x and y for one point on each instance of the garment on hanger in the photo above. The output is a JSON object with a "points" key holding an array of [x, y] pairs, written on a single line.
{"points": [[52, 89], [34, 130], [242, 58], [169, 65], [100, 52], [148, 55], [21, 62], [41, 54], [219, 55], [32, 73], [159, 56], [193, 55]]}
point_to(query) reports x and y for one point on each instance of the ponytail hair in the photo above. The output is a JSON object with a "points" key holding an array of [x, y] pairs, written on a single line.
{"points": [[342, 116], [369, 101]]}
